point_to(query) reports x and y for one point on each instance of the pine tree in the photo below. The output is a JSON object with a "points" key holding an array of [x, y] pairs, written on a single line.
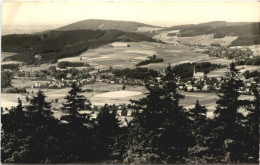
{"points": [[160, 125], [42, 132], [200, 152], [78, 138], [35, 139], [175, 135], [12, 143], [198, 115], [75, 102], [253, 125], [107, 127], [229, 129]]}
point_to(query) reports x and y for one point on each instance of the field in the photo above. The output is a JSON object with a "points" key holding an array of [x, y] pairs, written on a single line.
{"points": [[200, 39], [7, 54], [112, 94], [147, 29], [30, 68], [26, 82], [120, 56], [254, 48]]}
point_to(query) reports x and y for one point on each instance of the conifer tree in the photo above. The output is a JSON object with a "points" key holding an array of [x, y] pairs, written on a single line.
{"points": [[75, 102], [78, 139], [42, 137], [12, 136], [253, 125], [160, 125], [198, 115], [229, 121], [175, 134], [199, 125], [107, 127], [34, 140]]}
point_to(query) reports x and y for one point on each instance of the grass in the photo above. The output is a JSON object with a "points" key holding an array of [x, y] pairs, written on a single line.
{"points": [[101, 94], [128, 57]]}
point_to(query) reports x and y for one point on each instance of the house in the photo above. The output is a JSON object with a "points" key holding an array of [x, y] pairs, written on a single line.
{"points": [[205, 88], [189, 87], [197, 75], [119, 112]]}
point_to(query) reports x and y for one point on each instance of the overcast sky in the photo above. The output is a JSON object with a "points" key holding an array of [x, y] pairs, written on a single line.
{"points": [[155, 13]]}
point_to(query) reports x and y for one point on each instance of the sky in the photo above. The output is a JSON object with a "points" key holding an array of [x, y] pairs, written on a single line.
{"points": [[160, 13]]}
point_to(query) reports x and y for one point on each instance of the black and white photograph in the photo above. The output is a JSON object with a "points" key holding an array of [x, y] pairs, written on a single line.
{"points": [[130, 82]]}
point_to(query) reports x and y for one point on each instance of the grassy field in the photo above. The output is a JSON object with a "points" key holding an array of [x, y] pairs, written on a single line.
{"points": [[25, 83], [120, 57], [103, 91], [254, 48], [8, 54], [200, 39]]}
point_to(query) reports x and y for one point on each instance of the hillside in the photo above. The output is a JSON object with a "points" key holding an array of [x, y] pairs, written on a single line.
{"points": [[94, 24], [248, 32], [54, 45]]}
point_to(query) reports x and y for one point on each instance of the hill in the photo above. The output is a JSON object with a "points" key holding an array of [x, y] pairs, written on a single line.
{"points": [[95, 24], [53, 45], [248, 32]]}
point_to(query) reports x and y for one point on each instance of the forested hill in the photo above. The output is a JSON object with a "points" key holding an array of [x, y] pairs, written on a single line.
{"points": [[95, 24], [54, 45], [248, 32]]}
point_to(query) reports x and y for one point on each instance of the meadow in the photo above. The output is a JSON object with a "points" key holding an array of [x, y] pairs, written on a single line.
{"points": [[206, 39], [120, 56], [104, 93]]}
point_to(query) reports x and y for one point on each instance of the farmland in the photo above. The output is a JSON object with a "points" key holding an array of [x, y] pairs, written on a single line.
{"points": [[112, 94], [206, 39], [120, 56]]}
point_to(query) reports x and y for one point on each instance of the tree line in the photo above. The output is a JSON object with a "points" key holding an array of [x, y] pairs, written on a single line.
{"points": [[162, 131]]}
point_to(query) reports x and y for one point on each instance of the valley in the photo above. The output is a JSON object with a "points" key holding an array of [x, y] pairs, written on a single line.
{"points": [[130, 82]]}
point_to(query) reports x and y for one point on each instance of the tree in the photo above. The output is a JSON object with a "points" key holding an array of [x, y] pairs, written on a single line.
{"points": [[229, 128], [160, 125], [43, 130], [200, 152], [107, 127], [6, 79], [78, 140], [75, 102], [198, 115], [34, 136], [253, 126], [123, 88]]}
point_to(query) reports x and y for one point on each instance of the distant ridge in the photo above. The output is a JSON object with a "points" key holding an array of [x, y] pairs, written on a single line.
{"points": [[213, 25], [248, 32], [95, 24]]}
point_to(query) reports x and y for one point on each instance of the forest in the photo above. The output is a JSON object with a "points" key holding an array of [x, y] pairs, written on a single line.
{"points": [[186, 70], [161, 131], [65, 64], [150, 60], [136, 73], [54, 45]]}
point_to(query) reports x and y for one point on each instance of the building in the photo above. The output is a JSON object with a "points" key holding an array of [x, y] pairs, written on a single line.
{"points": [[197, 75]]}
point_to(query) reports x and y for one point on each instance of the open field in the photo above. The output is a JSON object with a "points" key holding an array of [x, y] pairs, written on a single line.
{"points": [[26, 82], [254, 48], [147, 29], [6, 54], [30, 68], [249, 68], [200, 39], [112, 94], [225, 41], [120, 56]]}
